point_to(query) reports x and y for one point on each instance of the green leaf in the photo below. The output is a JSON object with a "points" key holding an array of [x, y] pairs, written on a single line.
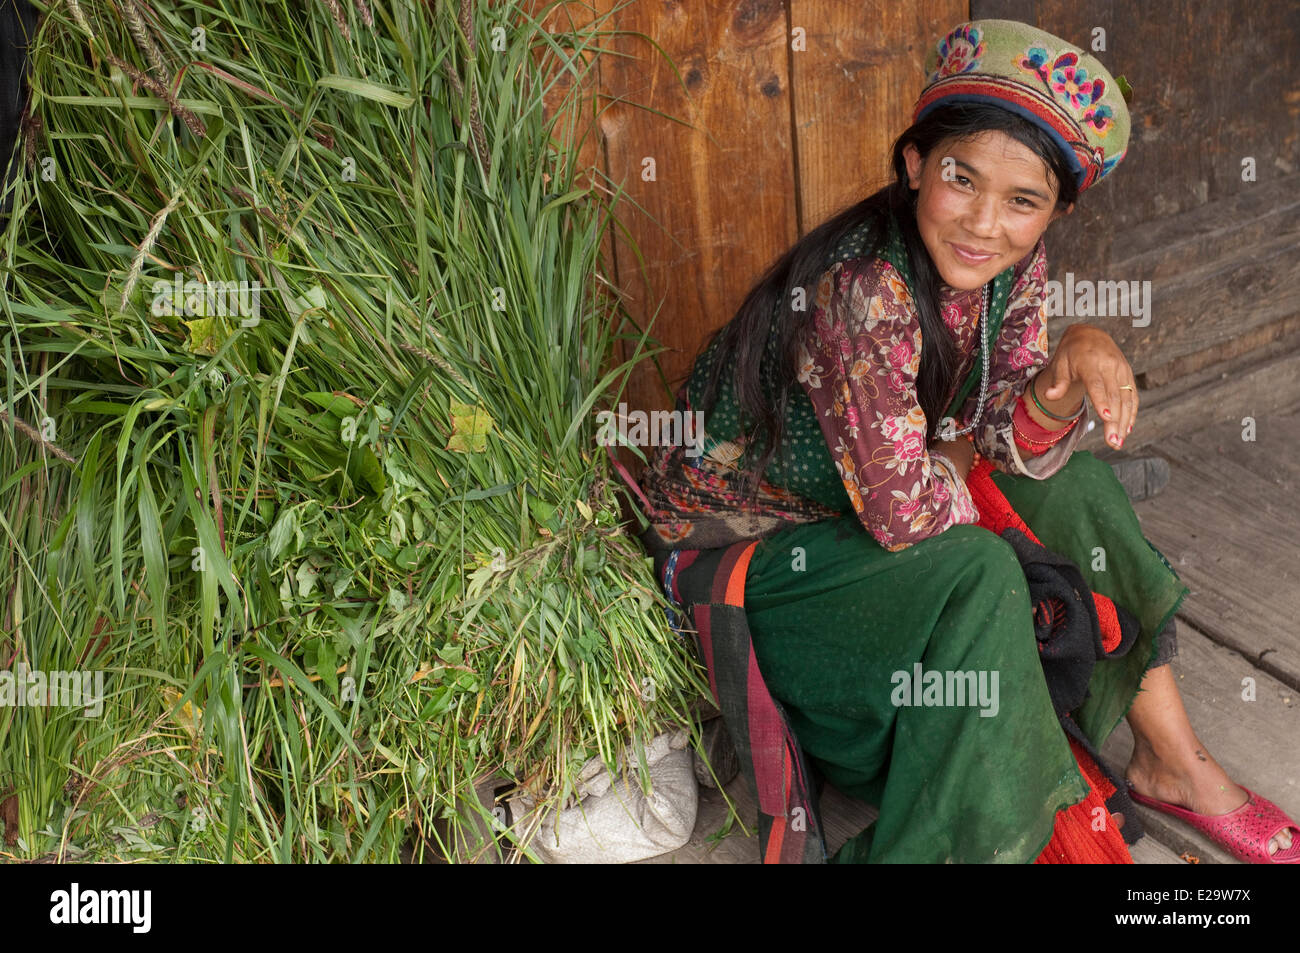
{"points": [[206, 335], [284, 528], [306, 577], [366, 471], [373, 91], [155, 558], [396, 599], [292, 673], [1125, 89], [336, 405], [326, 662]]}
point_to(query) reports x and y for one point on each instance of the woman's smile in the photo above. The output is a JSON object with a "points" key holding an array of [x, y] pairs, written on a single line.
{"points": [[972, 256]]}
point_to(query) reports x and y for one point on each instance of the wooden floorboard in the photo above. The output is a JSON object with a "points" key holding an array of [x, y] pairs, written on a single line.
{"points": [[1229, 526], [842, 817]]}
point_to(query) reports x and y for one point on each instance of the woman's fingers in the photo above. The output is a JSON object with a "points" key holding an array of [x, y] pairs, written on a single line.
{"points": [[1129, 395], [1090, 356], [1116, 400], [1105, 394]]}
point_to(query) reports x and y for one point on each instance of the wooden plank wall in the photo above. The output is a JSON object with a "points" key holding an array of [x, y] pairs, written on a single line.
{"points": [[1215, 83]]}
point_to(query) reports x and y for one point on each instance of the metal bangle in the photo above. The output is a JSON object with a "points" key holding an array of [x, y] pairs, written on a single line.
{"points": [[1033, 392]]}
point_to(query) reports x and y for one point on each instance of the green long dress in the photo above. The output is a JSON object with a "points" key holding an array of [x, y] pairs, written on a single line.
{"points": [[833, 616]]}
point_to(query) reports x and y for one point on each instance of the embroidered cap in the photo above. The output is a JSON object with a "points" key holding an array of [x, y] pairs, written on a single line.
{"points": [[1054, 84]]}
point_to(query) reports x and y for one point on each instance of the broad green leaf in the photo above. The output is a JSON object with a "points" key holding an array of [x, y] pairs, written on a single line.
{"points": [[470, 427], [283, 529]]}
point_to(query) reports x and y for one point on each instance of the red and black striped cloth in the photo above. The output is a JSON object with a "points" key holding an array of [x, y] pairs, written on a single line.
{"points": [[710, 584]]}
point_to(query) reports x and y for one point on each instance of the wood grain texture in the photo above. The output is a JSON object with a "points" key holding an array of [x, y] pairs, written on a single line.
{"points": [[748, 139], [1206, 307], [842, 817], [701, 145], [854, 88], [1221, 250], [1227, 523], [1263, 382], [1213, 83], [1164, 247]]}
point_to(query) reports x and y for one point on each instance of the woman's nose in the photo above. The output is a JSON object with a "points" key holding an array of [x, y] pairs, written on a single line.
{"points": [[982, 216]]}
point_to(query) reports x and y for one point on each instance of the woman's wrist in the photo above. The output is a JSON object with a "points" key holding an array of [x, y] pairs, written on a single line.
{"points": [[1068, 406], [1032, 437], [960, 453]]}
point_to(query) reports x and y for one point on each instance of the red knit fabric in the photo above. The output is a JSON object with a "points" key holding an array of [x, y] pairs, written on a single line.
{"points": [[995, 509], [1074, 839], [1108, 621], [996, 515]]}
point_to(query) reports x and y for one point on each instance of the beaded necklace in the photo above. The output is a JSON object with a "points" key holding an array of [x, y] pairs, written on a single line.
{"points": [[984, 368]]}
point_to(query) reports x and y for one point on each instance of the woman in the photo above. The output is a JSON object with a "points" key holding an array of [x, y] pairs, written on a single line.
{"points": [[845, 405]]}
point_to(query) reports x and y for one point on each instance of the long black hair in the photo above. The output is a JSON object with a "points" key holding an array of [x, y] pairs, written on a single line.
{"points": [[741, 342]]}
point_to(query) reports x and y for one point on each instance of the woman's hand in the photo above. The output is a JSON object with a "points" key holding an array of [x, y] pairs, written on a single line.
{"points": [[1088, 361]]}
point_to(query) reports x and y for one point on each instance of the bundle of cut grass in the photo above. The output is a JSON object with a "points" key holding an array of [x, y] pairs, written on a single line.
{"points": [[304, 342]]}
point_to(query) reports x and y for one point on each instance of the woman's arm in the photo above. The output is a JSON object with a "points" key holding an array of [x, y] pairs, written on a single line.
{"points": [[858, 365], [960, 452], [1061, 406], [1088, 361]]}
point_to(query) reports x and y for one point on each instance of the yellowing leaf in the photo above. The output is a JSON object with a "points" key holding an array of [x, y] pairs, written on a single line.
{"points": [[469, 428], [206, 335], [584, 509], [187, 716]]}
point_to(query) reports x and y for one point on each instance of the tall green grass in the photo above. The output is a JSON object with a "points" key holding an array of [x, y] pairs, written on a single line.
{"points": [[341, 562]]}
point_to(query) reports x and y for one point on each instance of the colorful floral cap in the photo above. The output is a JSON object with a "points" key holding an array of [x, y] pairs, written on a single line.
{"points": [[1041, 77]]}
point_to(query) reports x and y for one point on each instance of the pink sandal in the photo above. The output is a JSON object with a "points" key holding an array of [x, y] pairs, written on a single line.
{"points": [[1244, 833]]}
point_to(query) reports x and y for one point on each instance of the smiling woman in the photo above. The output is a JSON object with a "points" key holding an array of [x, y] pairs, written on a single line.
{"points": [[835, 435]]}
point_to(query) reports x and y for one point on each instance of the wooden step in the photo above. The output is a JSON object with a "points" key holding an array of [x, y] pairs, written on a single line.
{"points": [[1228, 525], [1264, 382]]}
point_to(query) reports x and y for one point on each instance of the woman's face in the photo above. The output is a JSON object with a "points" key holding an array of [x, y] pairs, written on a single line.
{"points": [[983, 204]]}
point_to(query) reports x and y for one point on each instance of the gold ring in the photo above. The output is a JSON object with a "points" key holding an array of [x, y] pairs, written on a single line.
{"points": [[1127, 387]]}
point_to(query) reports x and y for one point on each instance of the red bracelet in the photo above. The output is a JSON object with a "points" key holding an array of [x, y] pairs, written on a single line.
{"points": [[1030, 434]]}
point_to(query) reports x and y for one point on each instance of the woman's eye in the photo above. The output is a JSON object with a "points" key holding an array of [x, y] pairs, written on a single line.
{"points": [[961, 180]]}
